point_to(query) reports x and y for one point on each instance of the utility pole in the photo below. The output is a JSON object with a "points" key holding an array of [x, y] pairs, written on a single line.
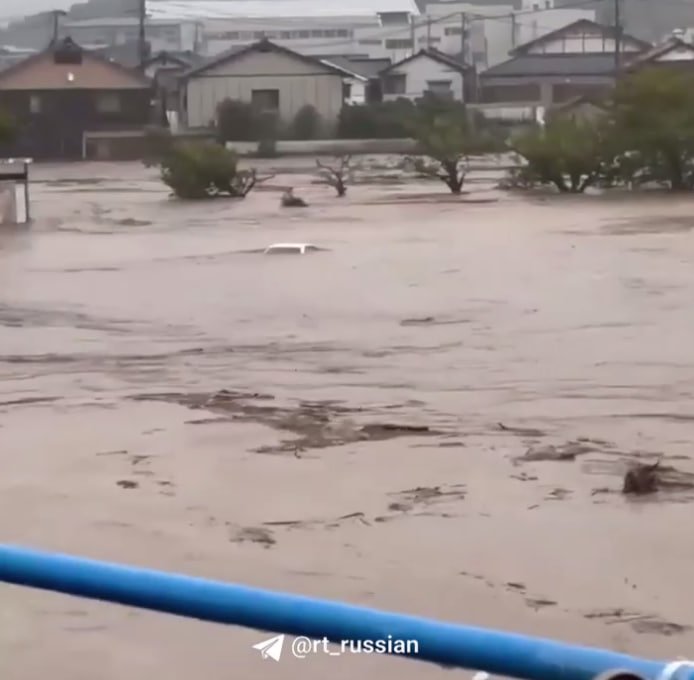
{"points": [[142, 38], [428, 33], [617, 36], [513, 30], [463, 36], [413, 26]]}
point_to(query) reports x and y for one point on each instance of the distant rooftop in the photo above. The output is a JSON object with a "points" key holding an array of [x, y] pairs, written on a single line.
{"points": [[229, 9]]}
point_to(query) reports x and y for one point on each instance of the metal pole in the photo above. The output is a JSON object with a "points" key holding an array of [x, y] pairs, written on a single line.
{"points": [[142, 41], [445, 644], [26, 192], [463, 37], [412, 34], [617, 36], [428, 33]]}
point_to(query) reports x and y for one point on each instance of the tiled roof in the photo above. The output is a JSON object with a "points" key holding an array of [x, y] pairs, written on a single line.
{"points": [[261, 46], [607, 31], [368, 68], [670, 45], [553, 65]]}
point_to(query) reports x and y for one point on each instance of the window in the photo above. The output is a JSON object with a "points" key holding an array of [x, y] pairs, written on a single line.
{"points": [[395, 84], [304, 34], [34, 104], [439, 86], [259, 35], [440, 89], [108, 103], [399, 44], [453, 30], [346, 90], [266, 100], [370, 41], [430, 40]]}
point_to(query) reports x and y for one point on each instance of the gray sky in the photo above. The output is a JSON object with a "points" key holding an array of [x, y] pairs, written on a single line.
{"points": [[14, 8]]}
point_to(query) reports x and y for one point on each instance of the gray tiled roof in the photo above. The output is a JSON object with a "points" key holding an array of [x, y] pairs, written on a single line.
{"points": [[369, 68], [553, 65]]}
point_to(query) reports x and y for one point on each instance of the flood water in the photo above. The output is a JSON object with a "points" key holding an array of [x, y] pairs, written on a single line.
{"points": [[171, 400]]}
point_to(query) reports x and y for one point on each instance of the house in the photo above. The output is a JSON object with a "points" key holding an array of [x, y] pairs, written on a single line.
{"points": [[273, 78], [362, 84], [583, 109], [576, 60], [63, 93], [165, 70], [671, 53], [428, 72]]}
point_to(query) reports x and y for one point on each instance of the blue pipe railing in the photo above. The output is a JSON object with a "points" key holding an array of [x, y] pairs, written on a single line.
{"points": [[441, 643]]}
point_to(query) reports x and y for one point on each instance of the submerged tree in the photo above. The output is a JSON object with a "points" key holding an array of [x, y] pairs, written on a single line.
{"points": [[336, 175], [653, 120], [447, 136], [569, 153]]}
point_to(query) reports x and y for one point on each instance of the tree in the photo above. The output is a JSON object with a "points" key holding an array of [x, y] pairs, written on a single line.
{"points": [[8, 128], [307, 123], [337, 175], [236, 121], [653, 119], [567, 152], [447, 136], [196, 170]]}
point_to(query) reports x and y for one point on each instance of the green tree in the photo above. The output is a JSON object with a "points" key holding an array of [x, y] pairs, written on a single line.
{"points": [[653, 120], [307, 123], [447, 136], [567, 152], [236, 121], [8, 128], [196, 170]]}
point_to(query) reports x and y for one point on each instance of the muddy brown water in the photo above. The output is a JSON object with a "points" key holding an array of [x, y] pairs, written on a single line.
{"points": [[172, 401]]}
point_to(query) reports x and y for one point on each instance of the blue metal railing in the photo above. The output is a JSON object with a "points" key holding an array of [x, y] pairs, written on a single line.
{"points": [[442, 643]]}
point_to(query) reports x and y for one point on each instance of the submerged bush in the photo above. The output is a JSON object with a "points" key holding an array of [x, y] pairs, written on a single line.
{"points": [[196, 170]]}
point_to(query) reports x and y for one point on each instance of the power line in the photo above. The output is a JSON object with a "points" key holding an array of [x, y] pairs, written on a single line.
{"points": [[409, 30]]}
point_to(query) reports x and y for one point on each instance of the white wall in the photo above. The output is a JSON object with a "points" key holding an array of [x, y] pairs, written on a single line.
{"points": [[418, 71], [299, 83]]}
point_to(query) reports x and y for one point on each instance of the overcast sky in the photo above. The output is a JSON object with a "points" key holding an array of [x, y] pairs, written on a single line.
{"points": [[14, 8]]}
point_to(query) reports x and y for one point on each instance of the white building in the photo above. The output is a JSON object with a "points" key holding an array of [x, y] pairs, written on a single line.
{"points": [[426, 72], [173, 35], [393, 29], [307, 26], [487, 33]]}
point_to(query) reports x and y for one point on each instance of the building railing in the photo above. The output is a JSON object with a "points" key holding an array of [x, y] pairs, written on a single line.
{"points": [[445, 644]]}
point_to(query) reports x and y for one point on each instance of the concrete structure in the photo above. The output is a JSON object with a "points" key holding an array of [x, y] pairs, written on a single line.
{"points": [[577, 60], [161, 34], [272, 77], [306, 26], [426, 72]]}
